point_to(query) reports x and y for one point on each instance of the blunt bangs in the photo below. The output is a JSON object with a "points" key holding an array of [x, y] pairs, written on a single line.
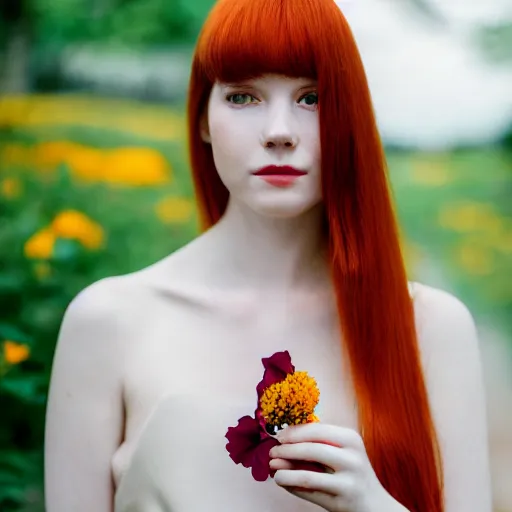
{"points": [[250, 38]]}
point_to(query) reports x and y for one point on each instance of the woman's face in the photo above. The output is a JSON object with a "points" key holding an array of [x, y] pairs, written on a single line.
{"points": [[269, 121]]}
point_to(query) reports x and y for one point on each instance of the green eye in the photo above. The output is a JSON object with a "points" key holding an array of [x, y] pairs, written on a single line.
{"points": [[239, 99], [310, 98]]}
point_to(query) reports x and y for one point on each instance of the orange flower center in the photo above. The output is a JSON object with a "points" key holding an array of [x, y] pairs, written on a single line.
{"points": [[291, 401]]}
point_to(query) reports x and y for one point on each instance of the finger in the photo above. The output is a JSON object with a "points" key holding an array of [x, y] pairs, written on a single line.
{"points": [[306, 481], [322, 499], [276, 464], [324, 454], [282, 464], [321, 433]]}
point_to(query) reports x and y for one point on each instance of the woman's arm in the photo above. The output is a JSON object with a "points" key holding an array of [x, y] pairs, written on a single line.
{"points": [[84, 422], [449, 344]]}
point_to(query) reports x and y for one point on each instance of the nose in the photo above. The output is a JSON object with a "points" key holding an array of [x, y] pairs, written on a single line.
{"points": [[279, 131]]}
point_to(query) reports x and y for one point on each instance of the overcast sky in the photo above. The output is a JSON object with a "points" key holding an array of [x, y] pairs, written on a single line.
{"points": [[431, 85]]}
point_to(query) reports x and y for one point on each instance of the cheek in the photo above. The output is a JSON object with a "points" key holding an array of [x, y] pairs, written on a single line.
{"points": [[230, 151], [227, 138], [310, 139]]}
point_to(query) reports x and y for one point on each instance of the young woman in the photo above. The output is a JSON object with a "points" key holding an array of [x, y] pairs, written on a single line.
{"points": [[300, 254]]}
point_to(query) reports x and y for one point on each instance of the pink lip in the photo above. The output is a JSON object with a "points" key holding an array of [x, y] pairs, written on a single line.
{"points": [[279, 175], [283, 180]]}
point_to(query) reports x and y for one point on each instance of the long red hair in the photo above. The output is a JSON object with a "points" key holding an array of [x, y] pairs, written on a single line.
{"points": [[244, 39]]}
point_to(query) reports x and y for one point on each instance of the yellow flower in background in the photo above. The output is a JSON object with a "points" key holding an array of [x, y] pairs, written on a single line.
{"points": [[15, 353], [69, 224], [53, 153], [135, 166], [412, 254], [432, 171], [82, 160], [40, 245], [470, 216], [131, 166], [16, 154], [87, 163], [175, 209], [475, 259], [74, 225], [132, 117], [10, 188]]}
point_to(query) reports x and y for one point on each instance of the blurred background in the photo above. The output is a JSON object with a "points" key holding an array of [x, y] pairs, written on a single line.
{"points": [[94, 179]]}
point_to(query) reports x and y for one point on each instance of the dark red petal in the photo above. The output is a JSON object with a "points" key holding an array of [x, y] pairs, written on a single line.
{"points": [[262, 423], [277, 367], [279, 362], [243, 439], [261, 459], [249, 446]]}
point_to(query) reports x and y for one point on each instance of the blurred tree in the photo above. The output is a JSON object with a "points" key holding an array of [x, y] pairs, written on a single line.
{"points": [[494, 39], [52, 25], [428, 11], [15, 41], [139, 23]]}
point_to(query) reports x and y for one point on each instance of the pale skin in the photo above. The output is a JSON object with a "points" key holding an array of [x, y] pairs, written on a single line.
{"points": [[152, 367]]}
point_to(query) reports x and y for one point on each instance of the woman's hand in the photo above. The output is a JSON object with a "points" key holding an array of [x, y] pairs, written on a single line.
{"points": [[348, 484]]}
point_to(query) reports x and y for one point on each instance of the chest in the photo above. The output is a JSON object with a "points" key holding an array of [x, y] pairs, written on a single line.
{"points": [[215, 354], [182, 446], [219, 352]]}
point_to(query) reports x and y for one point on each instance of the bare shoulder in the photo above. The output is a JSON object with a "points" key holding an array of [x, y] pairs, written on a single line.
{"points": [[85, 406], [103, 304], [121, 304], [443, 322], [104, 318], [126, 301], [433, 302], [449, 346]]}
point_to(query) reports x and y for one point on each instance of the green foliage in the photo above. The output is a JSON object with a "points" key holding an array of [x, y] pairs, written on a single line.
{"points": [[496, 42], [35, 292], [134, 23], [454, 208], [456, 212]]}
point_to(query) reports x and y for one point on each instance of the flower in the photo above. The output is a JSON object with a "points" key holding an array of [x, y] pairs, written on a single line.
{"points": [[175, 209], [291, 401], [474, 259], [74, 225], [249, 444], [10, 188], [130, 166], [284, 397], [15, 353], [15, 154], [468, 217], [130, 117], [40, 245], [136, 166]]}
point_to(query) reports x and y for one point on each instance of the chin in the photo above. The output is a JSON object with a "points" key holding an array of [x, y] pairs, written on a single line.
{"points": [[282, 209]]}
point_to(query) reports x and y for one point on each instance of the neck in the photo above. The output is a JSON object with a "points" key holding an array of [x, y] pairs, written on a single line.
{"points": [[248, 249]]}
